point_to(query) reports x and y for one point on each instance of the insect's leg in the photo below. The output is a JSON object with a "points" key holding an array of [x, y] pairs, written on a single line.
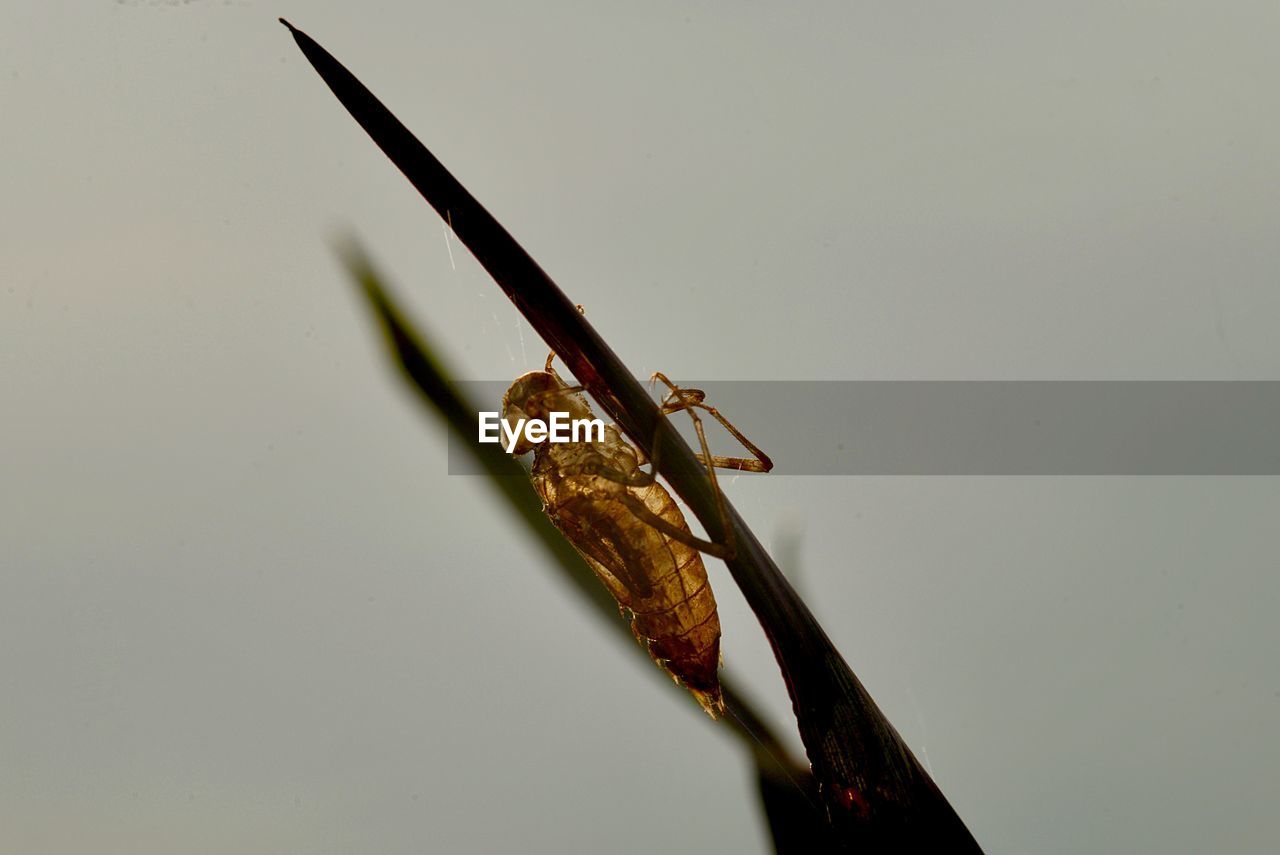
{"points": [[687, 399], [636, 505], [691, 399], [728, 548], [642, 513], [552, 355], [641, 459], [638, 478]]}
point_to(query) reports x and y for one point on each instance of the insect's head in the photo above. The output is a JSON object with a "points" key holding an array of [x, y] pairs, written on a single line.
{"points": [[535, 396]]}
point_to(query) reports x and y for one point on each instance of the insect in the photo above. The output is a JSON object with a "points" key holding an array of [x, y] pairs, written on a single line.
{"points": [[629, 529]]}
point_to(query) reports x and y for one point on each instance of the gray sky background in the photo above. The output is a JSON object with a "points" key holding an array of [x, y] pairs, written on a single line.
{"points": [[242, 606]]}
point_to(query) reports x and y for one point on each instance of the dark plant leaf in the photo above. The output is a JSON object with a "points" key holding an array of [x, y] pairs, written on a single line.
{"points": [[877, 795], [796, 824]]}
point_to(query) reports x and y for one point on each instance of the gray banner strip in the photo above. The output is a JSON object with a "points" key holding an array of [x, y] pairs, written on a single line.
{"points": [[984, 427]]}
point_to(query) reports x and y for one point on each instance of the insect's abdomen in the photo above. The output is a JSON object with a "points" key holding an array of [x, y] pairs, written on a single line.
{"points": [[678, 616], [661, 582]]}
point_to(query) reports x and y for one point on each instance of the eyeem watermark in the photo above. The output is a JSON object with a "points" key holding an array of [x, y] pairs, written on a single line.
{"points": [[985, 428], [560, 428]]}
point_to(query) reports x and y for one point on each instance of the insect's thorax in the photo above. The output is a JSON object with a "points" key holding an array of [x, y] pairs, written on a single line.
{"points": [[577, 460]]}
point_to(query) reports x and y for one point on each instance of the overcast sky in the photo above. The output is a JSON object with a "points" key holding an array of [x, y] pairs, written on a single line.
{"points": [[244, 608]]}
